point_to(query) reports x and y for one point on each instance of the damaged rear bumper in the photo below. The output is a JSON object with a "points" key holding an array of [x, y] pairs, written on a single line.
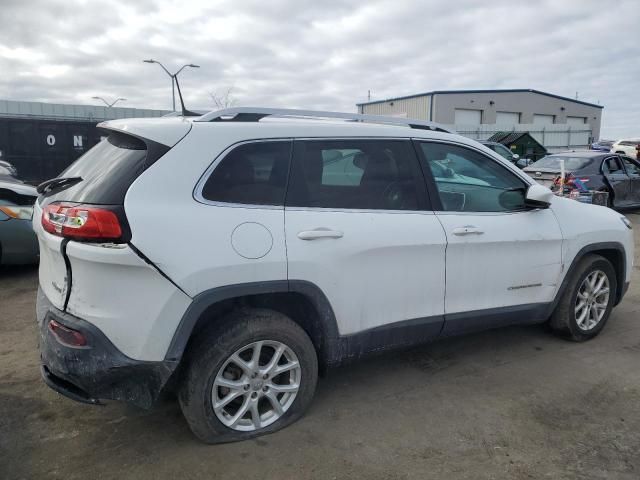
{"points": [[98, 370]]}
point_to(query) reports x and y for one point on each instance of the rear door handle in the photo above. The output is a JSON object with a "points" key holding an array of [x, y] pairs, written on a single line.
{"points": [[319, 233], [467, 230]]}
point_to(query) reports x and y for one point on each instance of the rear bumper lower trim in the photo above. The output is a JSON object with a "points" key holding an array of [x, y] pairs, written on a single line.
{"points": [[99, 370], [66, 388]]}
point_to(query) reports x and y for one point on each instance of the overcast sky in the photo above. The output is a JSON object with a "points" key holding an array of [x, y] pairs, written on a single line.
{"points": [[322, 54]]}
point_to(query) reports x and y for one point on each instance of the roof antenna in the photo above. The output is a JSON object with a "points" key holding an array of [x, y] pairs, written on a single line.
{"points": [[185, 112]]}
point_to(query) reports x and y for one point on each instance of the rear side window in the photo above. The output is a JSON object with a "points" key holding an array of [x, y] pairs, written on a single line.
{"points": [[355, 174], [106, 171], [253, 174], [633, 168]]}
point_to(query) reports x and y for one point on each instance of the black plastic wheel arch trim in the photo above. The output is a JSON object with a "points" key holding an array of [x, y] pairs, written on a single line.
{"points": [[206, 299], [594, 247]]}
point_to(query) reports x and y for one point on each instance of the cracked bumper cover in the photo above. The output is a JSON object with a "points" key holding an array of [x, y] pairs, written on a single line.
{"points": [[98, 370]]}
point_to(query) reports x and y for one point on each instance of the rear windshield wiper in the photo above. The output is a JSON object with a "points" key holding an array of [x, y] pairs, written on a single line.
{"points": [[65, 182]]}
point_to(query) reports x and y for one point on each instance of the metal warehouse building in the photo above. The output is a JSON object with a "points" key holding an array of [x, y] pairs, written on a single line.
{"points": [[42, 139], [556, 122]]}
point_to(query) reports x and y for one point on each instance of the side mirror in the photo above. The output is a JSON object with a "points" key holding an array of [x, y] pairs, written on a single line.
{"points": [[515, 157], [538, 196]]}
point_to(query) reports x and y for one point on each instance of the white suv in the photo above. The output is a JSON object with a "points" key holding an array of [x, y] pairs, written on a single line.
{"points": [[240, 252], [627, 147]]}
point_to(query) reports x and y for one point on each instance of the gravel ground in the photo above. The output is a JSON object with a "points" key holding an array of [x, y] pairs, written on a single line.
{"points": [[515, 403]]}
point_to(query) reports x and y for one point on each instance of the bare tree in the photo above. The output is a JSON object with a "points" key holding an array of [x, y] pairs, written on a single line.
{"points": [[223, 99]]}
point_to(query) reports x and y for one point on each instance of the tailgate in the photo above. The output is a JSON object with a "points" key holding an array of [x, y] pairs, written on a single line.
{"points": [[53, 269]]}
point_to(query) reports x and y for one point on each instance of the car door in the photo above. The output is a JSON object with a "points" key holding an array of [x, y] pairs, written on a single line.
{"points": [[359, 226], [633, 171], [618, 180], [503, 260]]}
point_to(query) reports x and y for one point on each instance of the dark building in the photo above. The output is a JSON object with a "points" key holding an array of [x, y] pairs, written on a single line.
{"points": [[42, 139]]}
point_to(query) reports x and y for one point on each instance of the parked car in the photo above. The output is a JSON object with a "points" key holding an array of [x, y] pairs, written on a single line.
{"points": [[618, 175], [7, 170], [602, 145], [503, 151], [626, 147], [18, 242], [240, 252]]}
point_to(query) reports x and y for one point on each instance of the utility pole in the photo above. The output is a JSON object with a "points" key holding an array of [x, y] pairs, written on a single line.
{"points": [[173, 76]]}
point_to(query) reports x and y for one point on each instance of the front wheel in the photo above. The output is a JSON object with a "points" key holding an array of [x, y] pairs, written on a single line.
{"points": [[587, 301], [252, 373]]}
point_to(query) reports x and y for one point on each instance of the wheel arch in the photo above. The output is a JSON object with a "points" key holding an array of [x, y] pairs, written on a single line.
{"points": [[613, 251], [302, 301]]}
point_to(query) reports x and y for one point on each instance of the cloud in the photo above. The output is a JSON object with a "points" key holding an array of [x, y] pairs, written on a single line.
{"points": [[322, 54]]}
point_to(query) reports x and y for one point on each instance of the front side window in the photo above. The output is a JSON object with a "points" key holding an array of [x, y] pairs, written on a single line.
{"points": [[468, 181], [252, 174], [354, 174], [612, 165]]}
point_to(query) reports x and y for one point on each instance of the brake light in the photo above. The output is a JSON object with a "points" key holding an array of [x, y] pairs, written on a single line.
{"points": [[81, 222], [67, 336]]}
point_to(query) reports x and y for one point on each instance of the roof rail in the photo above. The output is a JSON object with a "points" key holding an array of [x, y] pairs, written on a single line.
{"points": [[251, 114]]}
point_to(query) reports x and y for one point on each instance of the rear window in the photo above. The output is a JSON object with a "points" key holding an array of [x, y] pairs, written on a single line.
{"points": [[107, 171], [570, 163]]}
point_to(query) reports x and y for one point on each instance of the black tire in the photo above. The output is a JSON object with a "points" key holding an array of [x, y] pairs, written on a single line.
{"points": [[563, 320], [216, 344]]}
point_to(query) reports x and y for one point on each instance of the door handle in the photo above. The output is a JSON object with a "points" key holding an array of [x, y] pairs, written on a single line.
{"points": [[319, 233], [467, 230]]}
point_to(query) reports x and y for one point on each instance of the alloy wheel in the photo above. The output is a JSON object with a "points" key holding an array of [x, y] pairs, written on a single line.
{"points": [[592, 300], [256, 385]]}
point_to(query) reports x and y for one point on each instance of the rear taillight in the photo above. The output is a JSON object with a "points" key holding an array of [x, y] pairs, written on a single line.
{"points": [[67, 336], [81, 222]]}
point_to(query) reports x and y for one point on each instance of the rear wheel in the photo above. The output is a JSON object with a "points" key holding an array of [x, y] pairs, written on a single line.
{"points": [[253, 373], [588, 299]]}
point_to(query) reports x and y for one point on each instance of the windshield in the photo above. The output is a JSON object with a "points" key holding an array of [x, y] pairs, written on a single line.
{"points": [[570, 163]]}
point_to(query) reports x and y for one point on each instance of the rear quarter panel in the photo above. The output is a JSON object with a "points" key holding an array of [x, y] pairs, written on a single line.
{"points": [[126, 298], [191, 241]]}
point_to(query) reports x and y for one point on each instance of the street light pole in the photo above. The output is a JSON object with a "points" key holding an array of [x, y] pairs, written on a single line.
{"points": [[173, 76], [112, 103]]}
